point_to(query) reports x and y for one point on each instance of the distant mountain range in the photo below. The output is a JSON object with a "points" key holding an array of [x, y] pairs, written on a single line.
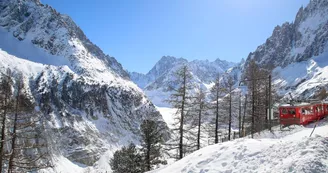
{"points": [[297, 54], [157, 81]]}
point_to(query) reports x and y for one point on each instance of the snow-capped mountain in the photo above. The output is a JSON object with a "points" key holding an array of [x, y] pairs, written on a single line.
{"points": [[297, 41], [157, 81], [91, 106], [297, 52]]}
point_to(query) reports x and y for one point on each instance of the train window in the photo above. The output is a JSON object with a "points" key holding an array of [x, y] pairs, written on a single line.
{"points": [[284, 111], [292, 111]]}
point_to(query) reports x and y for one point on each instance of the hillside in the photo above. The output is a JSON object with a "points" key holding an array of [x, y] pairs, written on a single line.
{"points": [[280, 151], [297, 52], [90, 105]]}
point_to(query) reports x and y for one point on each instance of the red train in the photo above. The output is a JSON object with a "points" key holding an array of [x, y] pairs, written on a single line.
{"points": [[302, 113]]}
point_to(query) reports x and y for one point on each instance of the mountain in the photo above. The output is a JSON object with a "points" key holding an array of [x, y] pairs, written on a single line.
{"points": [[297, 52], [298, 41], [157, 81], [89, 104]]}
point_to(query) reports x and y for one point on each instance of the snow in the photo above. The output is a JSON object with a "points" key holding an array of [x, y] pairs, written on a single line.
{"points": [[25, 49], [168, 115], [110, 136], [281, 151], [63, 165], [303, 76]]}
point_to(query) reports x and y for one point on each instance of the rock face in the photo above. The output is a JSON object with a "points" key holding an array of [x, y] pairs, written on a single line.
{"points": [[157, 81], [86, 97], [297, 52], [299, 41]]}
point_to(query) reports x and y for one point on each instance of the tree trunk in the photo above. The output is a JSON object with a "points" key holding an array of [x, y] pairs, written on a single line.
{"points": [[239, 117], [13, 141], [148, 157], [253, 109], [230, 112], [244, 117], [182, 114], [199, 124], [3, 129], [217, 118]]}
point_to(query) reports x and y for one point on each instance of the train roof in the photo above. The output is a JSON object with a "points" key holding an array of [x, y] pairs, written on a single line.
{"points": [[302, 104], [295, 105]]}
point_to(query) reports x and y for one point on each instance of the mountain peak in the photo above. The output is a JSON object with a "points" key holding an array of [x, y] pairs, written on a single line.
{"points": [[58, 35]]}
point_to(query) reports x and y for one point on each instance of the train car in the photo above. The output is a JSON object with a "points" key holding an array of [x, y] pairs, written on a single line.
{"points": [[325, 107], [289, 114], [319, 110], [302, 113]]}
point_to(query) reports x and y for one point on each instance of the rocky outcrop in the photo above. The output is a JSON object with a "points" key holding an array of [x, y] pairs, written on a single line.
{"points": [[298, 41]]}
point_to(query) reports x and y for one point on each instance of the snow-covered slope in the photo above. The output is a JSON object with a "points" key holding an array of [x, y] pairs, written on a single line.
{"points": [[280, 151], [91, 106], [298, 41], [57, 34], [298, 52], [303, 79], [157, 81]]}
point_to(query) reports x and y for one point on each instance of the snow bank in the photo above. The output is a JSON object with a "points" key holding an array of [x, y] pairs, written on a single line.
{"points": [[295, 152]]}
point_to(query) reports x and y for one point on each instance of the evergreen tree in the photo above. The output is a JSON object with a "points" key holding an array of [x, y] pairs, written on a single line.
{"points": [[27, 148], [127, 160], [229, 88], [180, 99], [5, 103], [200, 104], [215, 96], [257, 80], [152, 138]]}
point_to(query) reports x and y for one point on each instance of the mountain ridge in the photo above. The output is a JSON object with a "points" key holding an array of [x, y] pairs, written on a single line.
{"points": [[90, 105]]}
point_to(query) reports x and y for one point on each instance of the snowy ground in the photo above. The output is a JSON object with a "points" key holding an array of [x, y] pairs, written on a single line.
{"points": [[280, 151], [168, 115]]}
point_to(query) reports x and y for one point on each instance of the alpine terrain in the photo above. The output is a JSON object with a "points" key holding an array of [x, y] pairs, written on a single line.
{"points": [[90, 105], [98, 117]]}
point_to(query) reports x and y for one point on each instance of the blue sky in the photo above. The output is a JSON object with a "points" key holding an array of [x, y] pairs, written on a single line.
{"points": [[139, 32]]}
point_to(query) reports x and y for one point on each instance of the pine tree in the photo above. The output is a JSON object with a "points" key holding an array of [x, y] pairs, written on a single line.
{"points": [[5, 98], [151, 140], [215, 96], [258, 87], [28, 150], [229, 90], [127, 160], [180, 99], [200, 104]]}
